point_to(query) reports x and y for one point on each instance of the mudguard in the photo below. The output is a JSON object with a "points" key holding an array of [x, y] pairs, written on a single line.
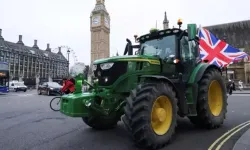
{"points": [[162, 78], [183, 108], [201, 70], [192, 91]]}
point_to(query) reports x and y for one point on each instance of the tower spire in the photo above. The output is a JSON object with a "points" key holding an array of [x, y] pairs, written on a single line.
{"points": [[165, 21], [100, 1]]}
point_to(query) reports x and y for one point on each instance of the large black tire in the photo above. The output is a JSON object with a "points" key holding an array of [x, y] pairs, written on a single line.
{"points": [[138, 111], [205, 117], [129, 108], [101, 122]]}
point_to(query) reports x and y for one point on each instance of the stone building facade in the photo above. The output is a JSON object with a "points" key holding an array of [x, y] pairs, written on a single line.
{"points": [[100, 31], [32, 64], [237, 35]]}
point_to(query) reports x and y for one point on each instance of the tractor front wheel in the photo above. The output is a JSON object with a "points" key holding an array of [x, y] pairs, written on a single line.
{"points": [[152, 114], [212, 101]]}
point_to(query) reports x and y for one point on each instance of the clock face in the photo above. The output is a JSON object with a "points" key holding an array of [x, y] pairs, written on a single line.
{"points": [[96, 20], [106, 21]]}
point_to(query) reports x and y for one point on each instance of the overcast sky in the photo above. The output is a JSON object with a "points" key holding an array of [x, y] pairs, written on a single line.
{"points": [[66, 22]]}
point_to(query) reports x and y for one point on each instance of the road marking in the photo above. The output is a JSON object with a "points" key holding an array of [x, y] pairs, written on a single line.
{"points": [[236, 95], [228, 137], [26, 94], [227, 133]]}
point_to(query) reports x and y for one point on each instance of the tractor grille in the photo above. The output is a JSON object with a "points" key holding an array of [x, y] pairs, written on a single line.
{"points": [[109, 76]]}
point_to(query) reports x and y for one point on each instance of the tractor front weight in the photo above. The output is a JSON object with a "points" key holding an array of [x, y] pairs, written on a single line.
{"points": [[83, 104]]}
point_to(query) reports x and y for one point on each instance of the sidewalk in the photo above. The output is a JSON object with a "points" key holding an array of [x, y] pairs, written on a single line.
{"points": [[241, 92], [243, 142]]}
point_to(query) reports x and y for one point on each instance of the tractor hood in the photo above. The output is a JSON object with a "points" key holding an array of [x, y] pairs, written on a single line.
{"points": [[150, 59], [109, 70]]}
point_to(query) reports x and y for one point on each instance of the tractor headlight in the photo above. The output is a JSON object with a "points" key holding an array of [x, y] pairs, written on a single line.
{"points": [[106, 66], [96, 81], [88, 104], [94, 67]]}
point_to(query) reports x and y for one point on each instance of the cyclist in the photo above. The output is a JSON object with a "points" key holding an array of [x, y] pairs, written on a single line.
{"points": [[63, 83], [68, 86]]}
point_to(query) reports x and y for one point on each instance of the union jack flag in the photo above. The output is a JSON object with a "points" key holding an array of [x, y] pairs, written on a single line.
{"points": [[216, 51]]}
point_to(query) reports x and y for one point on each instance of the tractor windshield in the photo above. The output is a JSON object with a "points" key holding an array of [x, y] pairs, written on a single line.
{"points": [[162, 47]]}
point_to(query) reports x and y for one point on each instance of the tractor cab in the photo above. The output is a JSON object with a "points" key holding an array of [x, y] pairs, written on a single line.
{"points": [[176, 49]]}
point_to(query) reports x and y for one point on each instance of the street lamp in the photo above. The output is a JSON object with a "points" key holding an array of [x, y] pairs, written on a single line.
{"points": [[68, 52]]}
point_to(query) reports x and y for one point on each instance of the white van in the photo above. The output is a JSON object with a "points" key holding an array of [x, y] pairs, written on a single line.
{"points": [[17, 86]]}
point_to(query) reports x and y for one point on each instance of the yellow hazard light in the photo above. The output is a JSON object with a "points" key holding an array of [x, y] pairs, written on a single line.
{"points": [[179, 22]]}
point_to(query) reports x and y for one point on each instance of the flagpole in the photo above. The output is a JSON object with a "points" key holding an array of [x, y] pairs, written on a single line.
{"points": [[199, 29]]}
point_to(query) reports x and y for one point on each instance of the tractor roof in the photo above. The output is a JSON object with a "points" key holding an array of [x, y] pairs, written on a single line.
{"points": [[154, 33]]}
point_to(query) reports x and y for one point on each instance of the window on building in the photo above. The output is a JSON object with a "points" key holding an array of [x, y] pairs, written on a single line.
{"points": [[1, 53]]}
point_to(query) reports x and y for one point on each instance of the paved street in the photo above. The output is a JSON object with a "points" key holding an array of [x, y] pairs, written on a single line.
{"points": [[26, 122]]}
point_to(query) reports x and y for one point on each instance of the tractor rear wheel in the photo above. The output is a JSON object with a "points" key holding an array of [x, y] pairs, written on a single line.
{"points": [[152, 114], [212, 101], [101, 122]]}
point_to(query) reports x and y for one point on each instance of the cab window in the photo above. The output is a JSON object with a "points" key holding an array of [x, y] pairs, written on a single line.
{"points": [[162, 47], [188, 49]]}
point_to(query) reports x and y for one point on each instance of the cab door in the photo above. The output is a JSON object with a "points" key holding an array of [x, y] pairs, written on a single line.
{"points": [[189, 57], [168, 55]]}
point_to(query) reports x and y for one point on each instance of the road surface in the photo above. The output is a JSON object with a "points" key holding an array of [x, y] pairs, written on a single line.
{"points": [[26, 122]]}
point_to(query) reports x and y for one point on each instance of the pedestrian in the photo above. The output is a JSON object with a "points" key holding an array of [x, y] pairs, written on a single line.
{"points": [[230, 87], [240, 85], [234, 86]]}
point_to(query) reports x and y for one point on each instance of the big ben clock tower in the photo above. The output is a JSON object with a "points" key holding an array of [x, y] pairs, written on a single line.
{"points": [[100, 30]]}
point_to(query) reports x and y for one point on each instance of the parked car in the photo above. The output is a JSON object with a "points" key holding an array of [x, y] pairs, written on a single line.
{"points": [[17, 86], [49, 88]]}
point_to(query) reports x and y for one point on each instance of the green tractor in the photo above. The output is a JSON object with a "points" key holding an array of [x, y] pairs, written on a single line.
{"points": [[150, 89]]}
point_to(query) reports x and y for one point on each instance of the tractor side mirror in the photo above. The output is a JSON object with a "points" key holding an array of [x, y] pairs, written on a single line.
{"points": [[171, 58], [128, 48], [192, 31]]}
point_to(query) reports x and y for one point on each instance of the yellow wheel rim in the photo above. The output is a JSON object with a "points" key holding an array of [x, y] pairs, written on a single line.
{"points": [[161, 115], [215, 98]]}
